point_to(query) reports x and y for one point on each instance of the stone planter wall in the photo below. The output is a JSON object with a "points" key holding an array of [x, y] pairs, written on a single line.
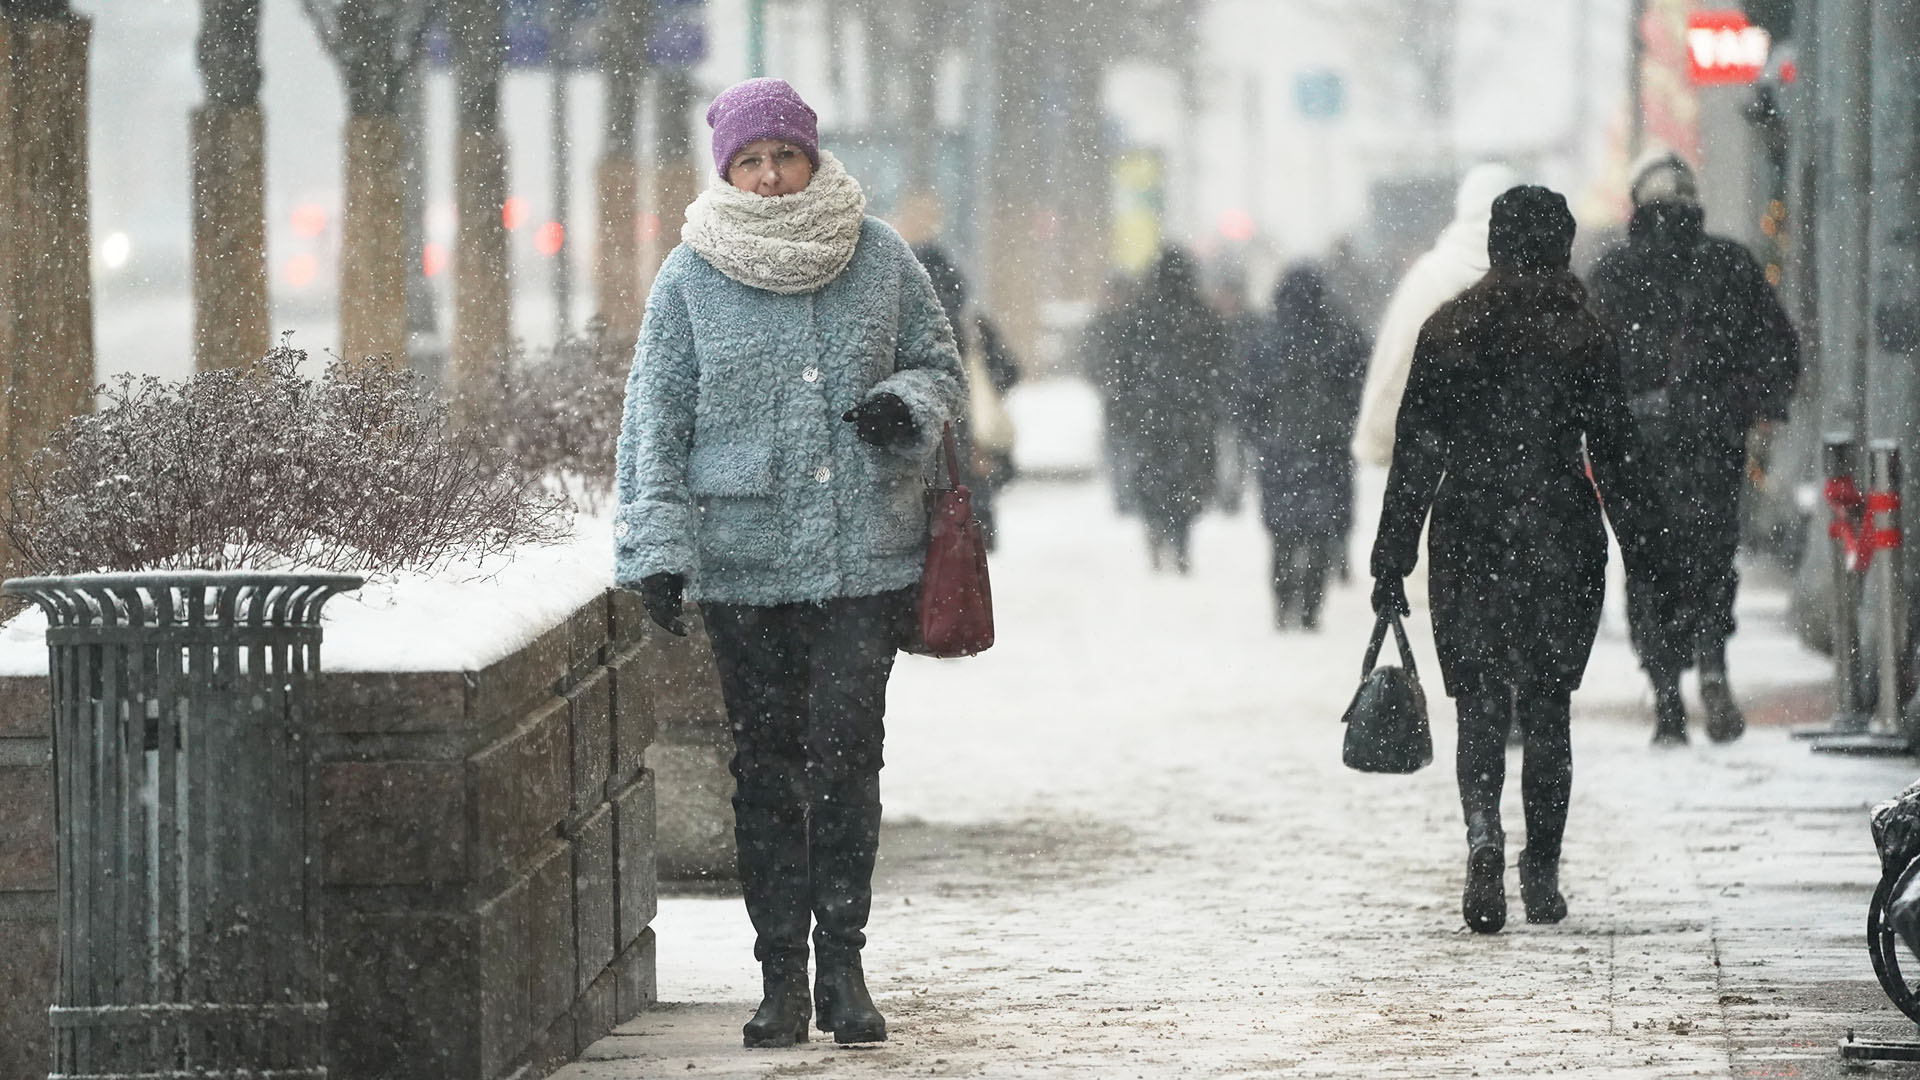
{"points": [[486, 842], [690, 761]]}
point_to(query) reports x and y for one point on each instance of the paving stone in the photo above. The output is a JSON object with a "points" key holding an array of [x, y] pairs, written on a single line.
{"points": [[593, 896], [391, 822], [590, 723], [26, 828], [518, 788], [636, 876]]}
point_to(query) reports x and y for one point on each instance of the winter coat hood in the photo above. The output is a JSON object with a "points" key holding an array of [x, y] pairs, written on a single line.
{"points": [[1667, 226], [1457, 260], [1531, 231], [734, 465]]}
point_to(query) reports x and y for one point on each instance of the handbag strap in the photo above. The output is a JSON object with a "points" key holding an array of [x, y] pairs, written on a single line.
{"points": [[1379, 638], [950, 457]]}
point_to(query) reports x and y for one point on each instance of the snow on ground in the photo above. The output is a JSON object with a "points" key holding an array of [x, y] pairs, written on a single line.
{"points": [[462, 617], [1122, 844]]}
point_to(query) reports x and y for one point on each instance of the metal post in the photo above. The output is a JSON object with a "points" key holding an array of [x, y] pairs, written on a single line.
{"points": [[756, 38], [1846, 122], [1843, 467], [559, 66], [1882, 535]]}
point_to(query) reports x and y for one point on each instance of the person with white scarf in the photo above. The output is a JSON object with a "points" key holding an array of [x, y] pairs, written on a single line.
{"points": [[1456, 262], [793, 376]]}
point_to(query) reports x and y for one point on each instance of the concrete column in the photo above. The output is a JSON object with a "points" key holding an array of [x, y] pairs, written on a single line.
{"points": [[677, 173], [1893, 403], [373, 256], [48, 242], [231, 324], [482, 287]]}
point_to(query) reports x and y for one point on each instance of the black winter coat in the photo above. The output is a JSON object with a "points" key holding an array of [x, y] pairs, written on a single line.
{"points": [[1705, 347], [1170, 366], [1303, 382], [1508, 380]]}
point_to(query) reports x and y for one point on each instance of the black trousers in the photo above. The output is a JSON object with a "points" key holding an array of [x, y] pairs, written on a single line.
{"points": [[1546, 780], [1300, 566], [806, 692], [1701, 487]]}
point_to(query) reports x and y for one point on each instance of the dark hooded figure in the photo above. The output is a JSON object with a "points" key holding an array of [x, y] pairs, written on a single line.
{"points": [[1174, 352], [1706, 352], [1304, 375], [988, 469], [1510, 381]]}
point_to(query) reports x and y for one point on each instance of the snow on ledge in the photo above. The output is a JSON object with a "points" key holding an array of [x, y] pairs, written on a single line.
{"points": [[465, 617]]}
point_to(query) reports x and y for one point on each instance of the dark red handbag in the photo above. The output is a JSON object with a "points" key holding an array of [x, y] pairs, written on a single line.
{"points": [[956, 600]]}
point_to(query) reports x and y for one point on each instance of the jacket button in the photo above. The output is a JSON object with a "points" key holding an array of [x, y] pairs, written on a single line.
{"points": [[812, 374], [823, 474]]}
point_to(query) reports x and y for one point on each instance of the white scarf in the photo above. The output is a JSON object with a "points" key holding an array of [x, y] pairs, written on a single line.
{"points": [[786, 244]]}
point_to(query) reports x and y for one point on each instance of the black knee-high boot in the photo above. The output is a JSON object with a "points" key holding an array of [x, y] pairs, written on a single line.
{"points": [[1481, 768], [845, 842], [1546, 785], [773, 880]]}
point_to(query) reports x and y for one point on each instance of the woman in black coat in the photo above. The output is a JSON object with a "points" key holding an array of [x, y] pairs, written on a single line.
{"points": [[1170, 362], [1508, 381], [1303, 391]]}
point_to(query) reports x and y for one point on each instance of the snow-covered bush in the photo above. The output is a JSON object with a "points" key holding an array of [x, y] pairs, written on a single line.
{"points": [[563, 412], [262, 468]]}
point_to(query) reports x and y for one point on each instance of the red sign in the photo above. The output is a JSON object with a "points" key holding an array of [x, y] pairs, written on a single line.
{"points": [[1723, 48]]}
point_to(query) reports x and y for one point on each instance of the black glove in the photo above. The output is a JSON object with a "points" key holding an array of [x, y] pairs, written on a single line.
{"points": [[883, 420], [1390, 596], [661, 595]]}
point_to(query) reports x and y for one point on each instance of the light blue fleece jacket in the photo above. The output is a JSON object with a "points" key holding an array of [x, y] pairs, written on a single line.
{"points": [[734, 465]]}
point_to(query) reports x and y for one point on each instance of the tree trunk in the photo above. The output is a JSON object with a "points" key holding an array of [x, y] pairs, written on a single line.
{"points": [[677, 178], [231, 324], [1014, 197], [617, 176], [617, 263], [482, 290], [51, 359], [373, 256]]}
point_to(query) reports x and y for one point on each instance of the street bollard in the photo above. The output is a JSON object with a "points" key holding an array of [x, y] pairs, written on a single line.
{"points": [[1842, 456], [1881, 538]]}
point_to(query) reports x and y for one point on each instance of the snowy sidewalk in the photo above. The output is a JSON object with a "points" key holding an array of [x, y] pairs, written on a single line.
{"points": [[1122, 844]]}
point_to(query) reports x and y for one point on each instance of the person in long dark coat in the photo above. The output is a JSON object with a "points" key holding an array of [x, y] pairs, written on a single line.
{"points": [[1706, 353], [1509, 380], [1172, 357], [987, 471], [1302, 392]]}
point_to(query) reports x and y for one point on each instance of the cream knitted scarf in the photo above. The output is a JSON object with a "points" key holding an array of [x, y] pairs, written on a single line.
{"points": [[789, 244]]}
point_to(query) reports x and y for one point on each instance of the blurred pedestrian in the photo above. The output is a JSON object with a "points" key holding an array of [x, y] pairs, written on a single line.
{"points": [[1108, 363], [1514, 392], [1706, 354], [986, 434], [1226, 291], [1171, 363], [1301, 394], [1457, 260], [792, 378]]}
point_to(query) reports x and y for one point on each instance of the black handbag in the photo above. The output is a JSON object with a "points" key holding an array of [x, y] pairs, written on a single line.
{"points": [[1387, 728]]}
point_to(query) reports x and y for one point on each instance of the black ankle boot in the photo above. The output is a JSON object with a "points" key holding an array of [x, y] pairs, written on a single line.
{"points": [[772, 847], [1540, 888], [1670, 715], [1724, 720], [845, 842], [1484, 904], [842, 1003], [781, 1019]]}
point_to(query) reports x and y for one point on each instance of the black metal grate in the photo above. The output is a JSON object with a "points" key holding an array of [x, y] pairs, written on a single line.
{"points": [[188, 909]]}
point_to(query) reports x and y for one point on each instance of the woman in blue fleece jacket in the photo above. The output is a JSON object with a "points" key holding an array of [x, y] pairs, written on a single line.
{"points": [[793, 375]]}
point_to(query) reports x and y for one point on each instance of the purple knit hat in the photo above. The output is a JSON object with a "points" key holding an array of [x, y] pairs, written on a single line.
{"points": [[761, 109]]}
